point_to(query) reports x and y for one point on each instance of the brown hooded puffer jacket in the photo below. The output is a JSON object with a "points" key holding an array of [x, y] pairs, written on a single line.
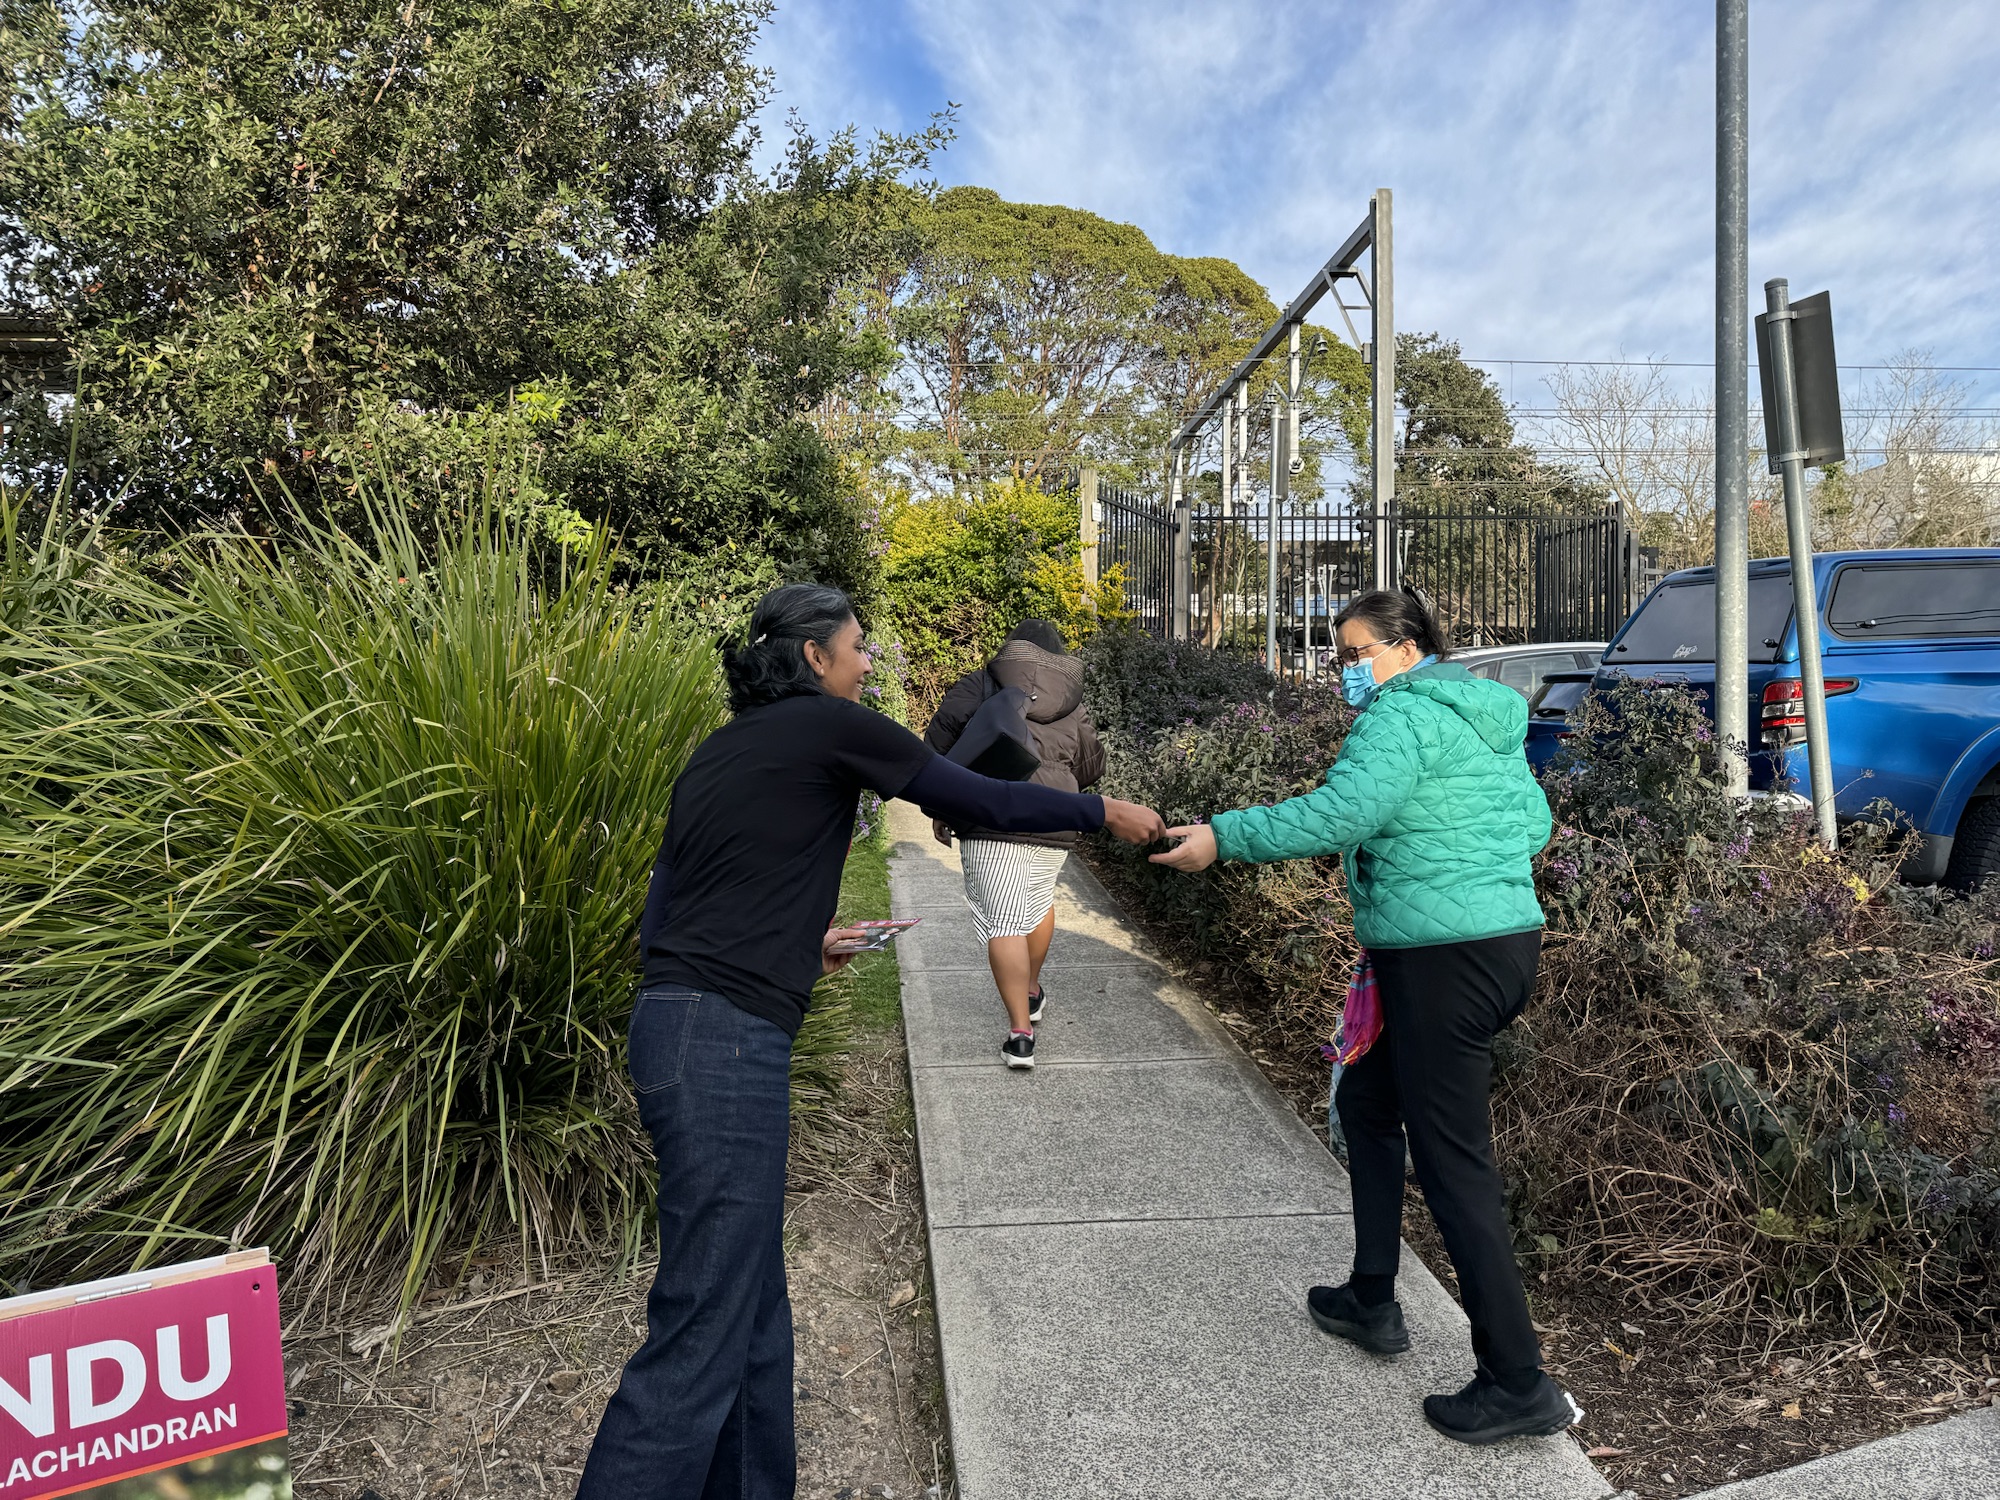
{"points": [[1065, 736]]}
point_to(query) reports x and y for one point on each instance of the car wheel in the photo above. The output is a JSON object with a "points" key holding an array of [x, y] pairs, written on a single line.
{"points": [[1975, 852]]}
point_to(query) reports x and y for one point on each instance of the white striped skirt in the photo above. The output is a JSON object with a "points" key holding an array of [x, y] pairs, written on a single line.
{"points": [[1010, 887]]}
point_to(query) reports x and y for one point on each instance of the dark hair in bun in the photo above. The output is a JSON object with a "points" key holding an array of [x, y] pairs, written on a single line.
{"points": [[771, 664], [1398, 615]]}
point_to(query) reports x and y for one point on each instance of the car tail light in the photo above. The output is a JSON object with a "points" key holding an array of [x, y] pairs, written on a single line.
{"points": [[1785, 707]]}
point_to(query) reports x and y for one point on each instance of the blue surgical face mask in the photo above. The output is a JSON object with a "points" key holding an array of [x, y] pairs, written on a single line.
{"points": [[1358, 685]]}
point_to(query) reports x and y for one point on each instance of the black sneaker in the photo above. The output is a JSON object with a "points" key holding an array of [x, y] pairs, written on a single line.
{"points": [[1486, 1412], [1378, 1329], [1018, 1051], [1035, 1004]]}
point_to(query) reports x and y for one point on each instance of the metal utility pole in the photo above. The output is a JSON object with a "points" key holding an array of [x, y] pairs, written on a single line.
{"points": [[1295, 463], [1280, 475], [1732, 390], [1180, 563], [1294, 459], [1218, 548], [1243, 439], [1382, 371], [1791, 449], [1228, 463], [1086, 497], [1230, 550]]}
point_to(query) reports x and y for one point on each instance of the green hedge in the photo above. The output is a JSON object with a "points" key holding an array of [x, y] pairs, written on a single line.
{"points": [[960, 572]]}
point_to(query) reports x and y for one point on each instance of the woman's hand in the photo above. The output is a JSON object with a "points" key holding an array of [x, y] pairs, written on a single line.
{"points": [[1133, 823], [1195, 851], [831, 962], [941, 831]]}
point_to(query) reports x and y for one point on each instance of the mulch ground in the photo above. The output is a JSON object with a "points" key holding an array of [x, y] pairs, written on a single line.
{"points": [[1671, 1407], [496, 1386]]}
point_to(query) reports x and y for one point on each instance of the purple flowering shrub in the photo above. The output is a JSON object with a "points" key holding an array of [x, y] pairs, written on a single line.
{"points": [[867, 817], [1743, 1079]]}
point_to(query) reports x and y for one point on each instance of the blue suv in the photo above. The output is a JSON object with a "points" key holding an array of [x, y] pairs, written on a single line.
{"points": [[1911, 646]]}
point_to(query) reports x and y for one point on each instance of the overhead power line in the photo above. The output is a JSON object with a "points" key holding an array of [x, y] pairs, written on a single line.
{"points": [[1024, 363], [1697, 364]]}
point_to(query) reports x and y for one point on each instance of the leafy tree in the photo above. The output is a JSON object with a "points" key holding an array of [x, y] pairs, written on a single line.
{"points": [[289, 241], [1459, 451], [1035, 337]]}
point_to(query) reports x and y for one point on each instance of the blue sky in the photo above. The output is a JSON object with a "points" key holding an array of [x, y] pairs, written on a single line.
{"points": [[1553, 163]]}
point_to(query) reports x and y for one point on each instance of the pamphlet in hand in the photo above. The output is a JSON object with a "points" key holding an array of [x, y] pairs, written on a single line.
{"points": [[880, 935]]}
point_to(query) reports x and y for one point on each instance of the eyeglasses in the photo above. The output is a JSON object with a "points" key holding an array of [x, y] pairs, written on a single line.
{"points": [[1349, 656]]}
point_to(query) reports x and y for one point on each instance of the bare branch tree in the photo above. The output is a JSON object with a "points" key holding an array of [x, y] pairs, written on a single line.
{"points": [[1652, 446], [1923, 466]]}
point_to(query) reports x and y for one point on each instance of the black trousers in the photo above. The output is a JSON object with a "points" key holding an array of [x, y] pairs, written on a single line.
{"points": [[1427, 1080]]}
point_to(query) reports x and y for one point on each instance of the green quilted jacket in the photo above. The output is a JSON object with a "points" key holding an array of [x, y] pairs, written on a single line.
{"points": [[1432, 807]]}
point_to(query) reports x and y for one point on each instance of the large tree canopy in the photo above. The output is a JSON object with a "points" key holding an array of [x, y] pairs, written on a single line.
{"points": [[1035, 337], [1459, 451], [281, 240]]}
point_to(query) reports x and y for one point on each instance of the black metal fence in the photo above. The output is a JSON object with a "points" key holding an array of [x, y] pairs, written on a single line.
{"points": [[1323, 560], [1589, 574], [1493, 577], [1136, 536], [1498, 578]]}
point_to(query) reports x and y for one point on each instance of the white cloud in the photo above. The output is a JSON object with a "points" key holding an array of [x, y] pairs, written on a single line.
{"points": [[1553, 162]]}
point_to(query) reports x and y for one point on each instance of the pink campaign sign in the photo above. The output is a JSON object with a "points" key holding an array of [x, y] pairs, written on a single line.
{"points": [[138, 1381]]}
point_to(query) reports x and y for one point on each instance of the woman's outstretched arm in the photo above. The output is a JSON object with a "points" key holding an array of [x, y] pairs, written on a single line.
{"points": [[1373, 777], [971, 800]]}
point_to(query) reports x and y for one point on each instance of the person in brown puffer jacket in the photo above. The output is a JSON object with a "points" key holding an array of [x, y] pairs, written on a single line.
{"points": [[1010, 878]]}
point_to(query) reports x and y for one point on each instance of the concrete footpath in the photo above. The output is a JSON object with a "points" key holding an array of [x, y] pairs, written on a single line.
{"points": [[1121, 1243]]}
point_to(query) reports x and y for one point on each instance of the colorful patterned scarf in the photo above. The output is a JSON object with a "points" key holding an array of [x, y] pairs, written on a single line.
{"points": [[1360, 1017]]}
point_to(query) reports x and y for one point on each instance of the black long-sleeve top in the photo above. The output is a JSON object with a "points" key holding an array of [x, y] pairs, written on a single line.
{"points": [[748, 874]]}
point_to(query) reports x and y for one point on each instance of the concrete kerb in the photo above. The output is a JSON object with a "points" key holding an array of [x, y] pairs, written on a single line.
{"points": [[1956, 1459]]}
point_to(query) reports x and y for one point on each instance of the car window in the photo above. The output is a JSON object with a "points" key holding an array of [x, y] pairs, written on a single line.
{"points": [[1905, 600], [1678, 623], [1556, 699], [1524, 674], [1586, 661], [1557, 661]]}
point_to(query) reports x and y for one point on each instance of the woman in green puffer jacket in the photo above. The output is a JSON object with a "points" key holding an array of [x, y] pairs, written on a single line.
{"points": [[1437, 820]]}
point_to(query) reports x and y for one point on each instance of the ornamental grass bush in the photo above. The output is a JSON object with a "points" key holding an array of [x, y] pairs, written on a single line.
{"points": [[320, 868], [1758, 1080]]}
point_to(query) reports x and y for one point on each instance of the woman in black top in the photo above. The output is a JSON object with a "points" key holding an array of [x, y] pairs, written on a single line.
{"points": [[736, 930]]}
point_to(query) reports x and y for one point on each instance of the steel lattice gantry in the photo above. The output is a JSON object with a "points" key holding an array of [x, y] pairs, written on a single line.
{"points": [[1372, 239]]}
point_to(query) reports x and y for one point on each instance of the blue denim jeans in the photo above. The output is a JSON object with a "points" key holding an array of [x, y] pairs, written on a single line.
{"points": [[704, 1409]]}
